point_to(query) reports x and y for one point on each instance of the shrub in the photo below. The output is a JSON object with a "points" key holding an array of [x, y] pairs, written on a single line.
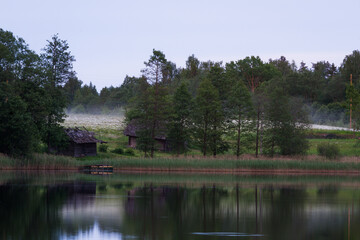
{"points": [[328, 150], [103, 148], [118, 150], [130, 152]]}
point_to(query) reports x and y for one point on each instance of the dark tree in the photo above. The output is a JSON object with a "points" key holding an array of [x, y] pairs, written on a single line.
{"points": [[179, 127], [240, 113], [208, 119], [57, 63], [286, 122], [254, 71]]}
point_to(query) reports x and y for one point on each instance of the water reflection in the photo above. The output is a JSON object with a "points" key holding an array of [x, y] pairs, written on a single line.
{"points": [[95, 233], [112, 209]]}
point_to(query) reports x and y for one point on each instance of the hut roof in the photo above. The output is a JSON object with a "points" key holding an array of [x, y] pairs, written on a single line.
{"points": [[134, 126], [81, 136]]}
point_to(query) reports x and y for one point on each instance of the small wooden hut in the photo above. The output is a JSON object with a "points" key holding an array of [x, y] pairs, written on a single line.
{"points": [[82, 143], [162, 143]]}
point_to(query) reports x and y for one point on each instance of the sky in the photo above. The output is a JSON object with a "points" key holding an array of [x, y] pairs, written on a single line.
{"points": [[113, 38]]}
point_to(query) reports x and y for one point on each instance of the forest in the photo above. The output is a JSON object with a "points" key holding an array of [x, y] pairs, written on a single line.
{"points": [[215, 107]]}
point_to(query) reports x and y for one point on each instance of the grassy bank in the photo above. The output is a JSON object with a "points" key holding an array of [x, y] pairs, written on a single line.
{"points": [[38, 162], [226, 164], [45, 161], [130, 180]]}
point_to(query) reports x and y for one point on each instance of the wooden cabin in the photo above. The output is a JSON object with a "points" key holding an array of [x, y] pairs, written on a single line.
{"points": [[162, 143], [81, 143]]}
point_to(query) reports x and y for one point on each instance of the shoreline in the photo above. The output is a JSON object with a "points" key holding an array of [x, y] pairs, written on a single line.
{"points": [[240, 171]]}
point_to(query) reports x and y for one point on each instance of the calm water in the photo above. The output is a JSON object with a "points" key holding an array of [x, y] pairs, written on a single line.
{"points": [[125, 206]]}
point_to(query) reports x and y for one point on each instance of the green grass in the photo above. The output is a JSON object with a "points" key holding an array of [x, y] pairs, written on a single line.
{"points": [[337, 132], [38, 162], [44, 161], [193, 159], [189, 180], [348, 147], [223, 164]]}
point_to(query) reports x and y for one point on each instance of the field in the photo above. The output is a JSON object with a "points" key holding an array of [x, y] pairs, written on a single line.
{"points": [[113, 122], [109, 128]]}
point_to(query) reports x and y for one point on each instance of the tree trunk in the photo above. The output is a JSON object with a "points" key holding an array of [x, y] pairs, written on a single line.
{"points": [[238, 137], [155, 114], [261, 137], [205, 138], [257, 133], [153, 141], [215, 140], [48, 134]]}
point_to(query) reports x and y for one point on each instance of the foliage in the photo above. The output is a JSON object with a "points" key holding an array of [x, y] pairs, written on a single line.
{"points": [[129, 152], [17, 130], [208, 119], [32, 97], [179, 127], [103, 148], [286, 123], [254, 71], [350, 65], [240, 113], [35, 90], [353, 101], [144, 141], [151, 108], [57, 64], [328, 150], [86, 96], [118, 150]]}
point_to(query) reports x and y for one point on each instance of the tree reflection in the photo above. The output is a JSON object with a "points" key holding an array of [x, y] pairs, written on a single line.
{"points": [[150, 211]]}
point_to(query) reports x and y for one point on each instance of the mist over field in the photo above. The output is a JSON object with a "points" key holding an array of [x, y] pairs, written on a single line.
{"points": [[94, 121], [115, 122]]}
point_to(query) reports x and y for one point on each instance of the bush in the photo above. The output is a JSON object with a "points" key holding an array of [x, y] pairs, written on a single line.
{"points": [[328, 150], [118, 150], [129, 152], [103, 148]]}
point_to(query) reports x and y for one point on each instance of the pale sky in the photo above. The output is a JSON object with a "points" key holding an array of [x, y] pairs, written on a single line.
{"points": [[112, 38]]}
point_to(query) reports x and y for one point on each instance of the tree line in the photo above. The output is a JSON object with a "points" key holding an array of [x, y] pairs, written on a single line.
{"points": [[32, 99], [321, 86], [243, 105], [215, 107]]}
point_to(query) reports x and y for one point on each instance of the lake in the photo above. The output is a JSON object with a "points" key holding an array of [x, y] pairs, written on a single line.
{"points": [[65, 205]]}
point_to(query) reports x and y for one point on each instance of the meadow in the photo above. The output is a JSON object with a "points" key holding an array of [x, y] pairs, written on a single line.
{"points": [[110, 128]]}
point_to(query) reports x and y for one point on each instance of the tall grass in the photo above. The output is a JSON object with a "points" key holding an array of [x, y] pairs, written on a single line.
{"points": [[38, 162], [225, 164], [52, 162]]}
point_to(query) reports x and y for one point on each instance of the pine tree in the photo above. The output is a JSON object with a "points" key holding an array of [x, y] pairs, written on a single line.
{"points": [[57, 63], [208, 119], [240, 111], [179, 128], [286, 122]]}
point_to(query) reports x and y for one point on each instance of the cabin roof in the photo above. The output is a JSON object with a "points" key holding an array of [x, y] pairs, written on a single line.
{"points": [[81, 136]]}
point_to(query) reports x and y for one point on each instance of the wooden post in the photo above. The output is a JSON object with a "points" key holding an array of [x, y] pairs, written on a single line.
{"points": [[350, 101]]}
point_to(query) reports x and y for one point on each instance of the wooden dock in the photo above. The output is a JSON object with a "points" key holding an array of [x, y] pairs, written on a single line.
{"points": [[97, 169]]}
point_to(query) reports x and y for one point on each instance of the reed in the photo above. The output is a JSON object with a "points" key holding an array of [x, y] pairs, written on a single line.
{"points": [[222, 164], [54, 162], [38, 162]]}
